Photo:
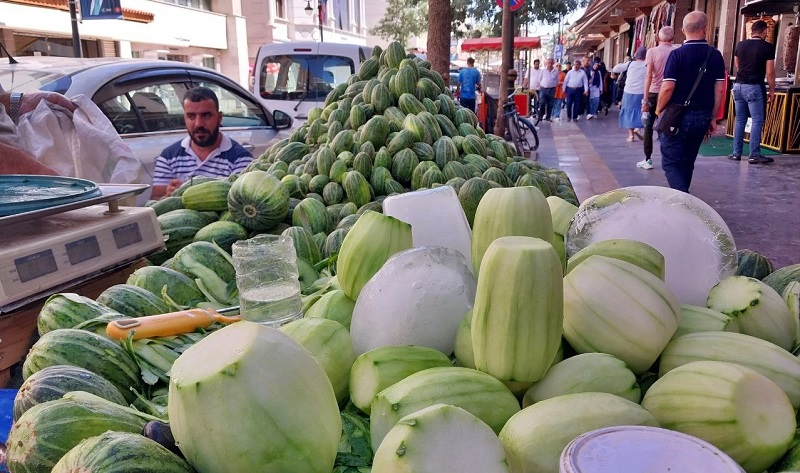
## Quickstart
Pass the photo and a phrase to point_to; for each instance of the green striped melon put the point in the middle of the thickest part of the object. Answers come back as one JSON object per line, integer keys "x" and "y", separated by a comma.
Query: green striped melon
{"x": 89, "y": 351}
{"x": 753, "y": 264}
{"x": 419, "y": 171}
{"x": 378, "y": 179}
{"x": 470, "y": 195}
{"x": 356, "y": 188}
{"x": 132, "y": 301}
{"x": 304, "y": 244}
{"x": 258, "y": 201}
{"x": 432, "y": 177}
{"x": 403, "y": 165}
{"x": 363, "y": 163}
{"x": 224, "y": 234}
{"x": 332, "y": 193}
{"x": 310, "y": 214}
{"x": 338, "y": 169}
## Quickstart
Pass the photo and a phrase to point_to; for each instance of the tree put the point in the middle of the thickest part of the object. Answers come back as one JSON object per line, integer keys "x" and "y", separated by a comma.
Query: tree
{"x": 439, "y": 25}
{"x": 403, "y": 19}
{"x": 543, "y": 11}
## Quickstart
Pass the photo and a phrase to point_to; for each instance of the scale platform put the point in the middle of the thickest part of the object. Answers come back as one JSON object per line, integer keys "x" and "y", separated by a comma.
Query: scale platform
{"x": 52, "y": 249}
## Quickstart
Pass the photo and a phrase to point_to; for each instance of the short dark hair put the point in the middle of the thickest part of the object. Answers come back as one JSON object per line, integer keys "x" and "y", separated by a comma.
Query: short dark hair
{"x": 199, "y": 93}
{"x": 535, "y": 61}
{"x": 470, "y": 60}
{"x": 759, "y": 26}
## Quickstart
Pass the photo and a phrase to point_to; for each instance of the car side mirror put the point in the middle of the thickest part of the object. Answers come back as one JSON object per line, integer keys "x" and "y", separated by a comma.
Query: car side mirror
{"x": 282, "y": 119}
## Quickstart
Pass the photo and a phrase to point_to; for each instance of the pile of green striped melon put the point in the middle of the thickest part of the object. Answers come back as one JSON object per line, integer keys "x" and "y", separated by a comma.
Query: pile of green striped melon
{"x": 392, "y": 128}
{"x": 554, "y": 346}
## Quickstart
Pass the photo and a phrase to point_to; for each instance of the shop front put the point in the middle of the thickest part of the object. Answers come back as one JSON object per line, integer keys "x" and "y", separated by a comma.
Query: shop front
{"x": 782, "y": 125}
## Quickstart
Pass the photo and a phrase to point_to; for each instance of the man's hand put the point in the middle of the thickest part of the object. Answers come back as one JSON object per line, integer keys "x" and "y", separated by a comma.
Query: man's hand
{"x": 30, "y": 101}
{"x": 173, "y": 186}
{"x": 770, "y": 95}
{"x": 712, "y": 128}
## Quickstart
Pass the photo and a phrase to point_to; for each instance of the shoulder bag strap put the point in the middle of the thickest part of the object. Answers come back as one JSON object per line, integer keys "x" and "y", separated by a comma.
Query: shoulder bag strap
{"x": 702, "y": 71}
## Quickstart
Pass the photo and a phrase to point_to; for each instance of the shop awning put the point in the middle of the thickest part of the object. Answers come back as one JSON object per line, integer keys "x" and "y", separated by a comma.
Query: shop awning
{"x": 768, "y": 7}
{"x": 604, "y": 16}
{"x": 495, "y": 44}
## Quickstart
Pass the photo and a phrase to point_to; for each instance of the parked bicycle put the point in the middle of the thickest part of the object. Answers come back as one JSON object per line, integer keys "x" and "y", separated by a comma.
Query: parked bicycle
{"x": 521, "y": 130}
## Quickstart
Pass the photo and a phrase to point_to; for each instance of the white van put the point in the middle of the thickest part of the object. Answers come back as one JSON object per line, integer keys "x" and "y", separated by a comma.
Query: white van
{"x": 296, "y": 77}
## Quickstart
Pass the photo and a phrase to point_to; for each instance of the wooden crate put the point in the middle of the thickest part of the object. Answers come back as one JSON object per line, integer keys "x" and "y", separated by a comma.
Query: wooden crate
{"x": 18, "y": 328}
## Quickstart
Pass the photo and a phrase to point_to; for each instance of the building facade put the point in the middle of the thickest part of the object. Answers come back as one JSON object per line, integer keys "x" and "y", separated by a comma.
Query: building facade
{"x": 221, "y": 34}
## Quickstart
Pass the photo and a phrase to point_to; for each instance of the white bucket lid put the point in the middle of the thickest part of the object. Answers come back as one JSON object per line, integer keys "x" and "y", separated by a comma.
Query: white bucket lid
{"x": 636, "y": 449}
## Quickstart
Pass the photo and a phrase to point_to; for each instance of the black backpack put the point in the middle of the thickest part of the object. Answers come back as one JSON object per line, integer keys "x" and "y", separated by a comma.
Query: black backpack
{"x": 623, "y": 77}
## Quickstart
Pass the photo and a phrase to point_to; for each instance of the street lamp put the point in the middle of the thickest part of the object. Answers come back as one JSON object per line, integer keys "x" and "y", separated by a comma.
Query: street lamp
{"x": 309, "y": 11}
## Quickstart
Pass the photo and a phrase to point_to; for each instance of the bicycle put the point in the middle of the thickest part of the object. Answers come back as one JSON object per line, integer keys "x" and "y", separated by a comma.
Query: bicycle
{"x": 517, "y": 128}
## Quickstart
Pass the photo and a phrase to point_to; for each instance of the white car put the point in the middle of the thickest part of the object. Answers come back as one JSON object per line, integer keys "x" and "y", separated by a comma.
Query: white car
{"x": 143, "y": 99}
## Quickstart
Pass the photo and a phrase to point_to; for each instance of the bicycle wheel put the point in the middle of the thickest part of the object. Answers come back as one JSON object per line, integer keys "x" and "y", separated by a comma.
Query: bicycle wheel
{"x": 516, "y": 134}
{"x": 525, "y": 125}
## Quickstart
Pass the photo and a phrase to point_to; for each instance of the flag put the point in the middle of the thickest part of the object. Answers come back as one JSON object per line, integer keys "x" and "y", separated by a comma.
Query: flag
{"x": 323, "y": 11}
{"x": 100, "y": 9}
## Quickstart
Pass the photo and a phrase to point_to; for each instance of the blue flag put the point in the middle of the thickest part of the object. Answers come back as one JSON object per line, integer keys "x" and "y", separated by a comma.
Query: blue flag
{"x": 101, "y": 10}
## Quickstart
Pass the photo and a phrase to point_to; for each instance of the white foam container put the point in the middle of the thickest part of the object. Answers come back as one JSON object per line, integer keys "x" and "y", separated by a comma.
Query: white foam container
{"x": 639, "y": 449}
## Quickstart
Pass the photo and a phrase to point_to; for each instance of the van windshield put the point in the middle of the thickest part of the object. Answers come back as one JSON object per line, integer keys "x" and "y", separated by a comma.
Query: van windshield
{"x": 302, "y": 76}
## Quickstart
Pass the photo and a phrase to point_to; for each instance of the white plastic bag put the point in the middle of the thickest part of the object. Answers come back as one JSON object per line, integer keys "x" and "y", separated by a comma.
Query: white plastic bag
{"x": 80, "y": 144}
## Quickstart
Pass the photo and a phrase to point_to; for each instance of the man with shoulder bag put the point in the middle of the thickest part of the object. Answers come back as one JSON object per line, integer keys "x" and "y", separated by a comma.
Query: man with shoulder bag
{"x": 689, "y": 99}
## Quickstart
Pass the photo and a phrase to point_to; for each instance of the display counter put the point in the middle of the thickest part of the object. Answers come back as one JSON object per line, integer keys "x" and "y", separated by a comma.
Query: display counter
{"x": 782, "y": 125}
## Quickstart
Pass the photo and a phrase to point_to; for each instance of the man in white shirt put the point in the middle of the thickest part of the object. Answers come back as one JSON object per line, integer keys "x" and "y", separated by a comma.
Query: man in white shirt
{"x": 547, "y": 93}
{"x": 534, "y": 82}
{"x": 576, "y": 86}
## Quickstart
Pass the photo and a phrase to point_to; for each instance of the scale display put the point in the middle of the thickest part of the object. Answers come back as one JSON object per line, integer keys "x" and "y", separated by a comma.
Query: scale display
{"x": 39, "y": 257}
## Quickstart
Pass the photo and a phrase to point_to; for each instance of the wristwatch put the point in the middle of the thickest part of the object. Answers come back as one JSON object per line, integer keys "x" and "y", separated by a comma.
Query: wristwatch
{"x": 13, "y": 112}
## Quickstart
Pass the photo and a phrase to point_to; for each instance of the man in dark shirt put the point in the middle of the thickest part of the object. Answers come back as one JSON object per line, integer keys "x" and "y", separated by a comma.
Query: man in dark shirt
{"x": 679, "y": 150}
{"x": 754, "y": 60}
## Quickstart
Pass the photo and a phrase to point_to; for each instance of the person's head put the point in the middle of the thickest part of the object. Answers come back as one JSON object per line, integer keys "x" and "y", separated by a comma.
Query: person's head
{"x": 597, "y": 60}
{"x": 587, "y": 62}
{"x": 694, "y": 25}
{"x": 641, "y": 53}
{"x": 596, "y": 65}
{"x": 470, "y": 62}
{"x": 550, "y": 63}
{"x": 536, "y": 64}
{"x": 577, "y": 65}
{"x": 666, "y": 34}
{"x": 202, "y": 116}
{"x": 759, "y": 28}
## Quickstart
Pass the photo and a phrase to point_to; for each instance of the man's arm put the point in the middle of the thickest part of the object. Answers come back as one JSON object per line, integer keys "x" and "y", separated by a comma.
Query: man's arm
{"x": 770, "y": 80}
{"x": 664, "y": 95}
{"x": 16, "y": 161}
{"x": 719, "y": 91}
{"x": 648, "y": 79}
{"x": 585, "y": 84}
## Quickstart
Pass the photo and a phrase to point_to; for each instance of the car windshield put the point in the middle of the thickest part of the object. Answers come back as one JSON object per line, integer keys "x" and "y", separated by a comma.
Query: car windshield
{"x": 26, "y": 80}
{"x": 302, "y": 76}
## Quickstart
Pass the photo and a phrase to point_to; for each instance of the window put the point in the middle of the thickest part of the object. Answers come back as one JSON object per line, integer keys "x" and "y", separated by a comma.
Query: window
{"x": 280, "y": 9}
{"x": 357, "y": 13}
{"x": 341, "y": 15}
{"x": 150, "y": 108}
{"x": 298, "y": 77}
{"x": 236, "y": 111}
{"x": 209, "y": 62}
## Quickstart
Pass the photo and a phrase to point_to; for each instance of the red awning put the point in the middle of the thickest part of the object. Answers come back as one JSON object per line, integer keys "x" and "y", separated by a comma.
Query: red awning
{"x": 495, "y": 44}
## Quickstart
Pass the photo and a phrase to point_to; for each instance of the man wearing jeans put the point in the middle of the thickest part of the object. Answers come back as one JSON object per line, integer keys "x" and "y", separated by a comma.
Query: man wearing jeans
{"x": 755, "y": 59}
{"x": 684, "y": 65}
{"x": 469, "y": 79}
{"x": 547, "y": 94}
{"x": 655, "y": 60}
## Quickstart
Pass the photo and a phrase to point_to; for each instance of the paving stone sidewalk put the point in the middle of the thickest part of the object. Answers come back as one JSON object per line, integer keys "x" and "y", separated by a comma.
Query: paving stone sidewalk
{"x": 760, "y": 203}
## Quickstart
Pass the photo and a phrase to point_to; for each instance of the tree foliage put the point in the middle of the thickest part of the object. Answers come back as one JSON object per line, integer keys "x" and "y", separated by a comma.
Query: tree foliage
{"x": 487, "y": 11}
{"x": 403, "y": 19}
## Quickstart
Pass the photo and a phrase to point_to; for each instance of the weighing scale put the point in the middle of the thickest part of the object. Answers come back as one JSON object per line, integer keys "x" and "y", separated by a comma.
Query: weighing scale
{"x": 70, "y": 240}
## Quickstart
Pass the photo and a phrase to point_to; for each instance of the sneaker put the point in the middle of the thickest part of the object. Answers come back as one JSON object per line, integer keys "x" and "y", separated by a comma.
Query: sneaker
{"x": 734, "y": 157}
{"x": 558, "y": 119}
{"x": 589, "y": 117}
{"x": 645, "y": 164}
{"x": 760, "y": 160}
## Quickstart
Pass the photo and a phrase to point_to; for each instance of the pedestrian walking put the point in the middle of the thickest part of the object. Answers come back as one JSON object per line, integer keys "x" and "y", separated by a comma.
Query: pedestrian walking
{"x": 655, "y": 60}
{"x": 693, "y": 77}
{"x": 534, "y": 83}
{"x": 548, "y": 85}
{"x": 595, "y": 90}
{"x": 630, "y": 114}
{"x": 560, "y": 95}
{"x": 754, "y": 60}
{"x": 468, "y": 80}
{"x": 576, "y": 87}
{"x": 619, "y": 73}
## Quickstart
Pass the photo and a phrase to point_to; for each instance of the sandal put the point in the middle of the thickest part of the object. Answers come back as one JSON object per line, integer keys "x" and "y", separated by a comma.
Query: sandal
{"x": 638, "y": 135}
{"x": 630, "y": 138}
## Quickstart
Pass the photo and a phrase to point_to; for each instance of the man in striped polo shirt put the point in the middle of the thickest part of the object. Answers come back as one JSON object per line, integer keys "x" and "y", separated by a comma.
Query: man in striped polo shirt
{"x": 205, "y": 152}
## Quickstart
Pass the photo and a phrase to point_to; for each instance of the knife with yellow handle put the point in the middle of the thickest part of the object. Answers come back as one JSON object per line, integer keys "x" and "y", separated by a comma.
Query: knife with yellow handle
{"x": 173, "y": 323}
